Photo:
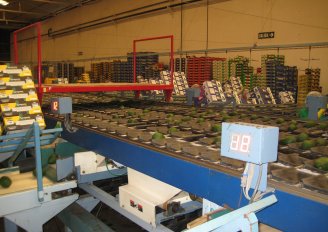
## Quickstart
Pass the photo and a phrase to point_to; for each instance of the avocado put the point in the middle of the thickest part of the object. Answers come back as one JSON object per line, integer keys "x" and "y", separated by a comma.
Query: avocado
{"x": 52, "y": 158}
{"x": 292, "y": 127}
{"x": 200, "y": 120}
{"x": 186, "y": 119}
{"x": 146, "y": 110}
{"x": 293, "y": 122}
{"x": 225, "y": 118}
{"x": 44, "y": 170}
{"x": 321, "y": 163}
{"x": 266, "y": 118}
{"x": 321, "y": 142}
{"x": 253, "y": 117}
{"x": 310, "y": 124}
{"x": 301, "y": 137}
{"x": 289, "y": 139}
{"x": 130, "y": 113}
{"x": 210, "y": 111}
{"x": 243, "y": 116}
{"x": 216, "y": 128}
{"x": 173, "y": 129}
{"x": 5, "y": 182}
{"x": 323, "y": 126}
{"x": 169, "y": 115}
{"x": 158, "y": 136}
{"x": 131, "y": 120}
{"x": 280, "y": 120}
{"x": 232, "y": 113}
{"x": 217, "y": 140}
{"x": 307, "y": 144}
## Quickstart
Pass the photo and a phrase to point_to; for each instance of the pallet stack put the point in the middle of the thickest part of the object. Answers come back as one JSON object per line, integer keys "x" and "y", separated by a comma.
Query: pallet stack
{"x": 220, "y": 70}
{"x": 143, "y": 61}
{"x": 199, "y": 69}
{"x": 78, "y": 71}
{"x": 285, "y": 80}
{"x": 121, "y": 71}
{"x": 268, "y": 66}
{"x": 307, "y": 83}
{"x": 100, "y": 72}
{"x": 19, "y": 102}
{"x": 239, "y": 67}
{"x": 180, "y": 65}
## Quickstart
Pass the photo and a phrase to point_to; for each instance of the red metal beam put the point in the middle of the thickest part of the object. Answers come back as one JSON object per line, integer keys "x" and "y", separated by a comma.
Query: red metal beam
{"x": 102, "y": 88}
{"x": 38, "y": 27}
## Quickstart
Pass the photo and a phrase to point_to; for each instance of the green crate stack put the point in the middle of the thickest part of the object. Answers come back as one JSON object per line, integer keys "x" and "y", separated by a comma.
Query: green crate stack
{"x": 239, "y": 67}
{"x": 303, "y": 89}
{"x": 220, "y": 70}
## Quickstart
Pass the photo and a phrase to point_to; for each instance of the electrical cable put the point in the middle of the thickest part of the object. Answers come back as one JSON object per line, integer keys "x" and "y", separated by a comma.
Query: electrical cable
{"x": 257, "y": 183}
{"x": 68, "y": 124}
{"x": 113, "y": 174}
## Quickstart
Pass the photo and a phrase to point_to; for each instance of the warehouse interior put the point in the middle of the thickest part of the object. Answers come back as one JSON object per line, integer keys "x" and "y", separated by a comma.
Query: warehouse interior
{"x": 163, "y": 115}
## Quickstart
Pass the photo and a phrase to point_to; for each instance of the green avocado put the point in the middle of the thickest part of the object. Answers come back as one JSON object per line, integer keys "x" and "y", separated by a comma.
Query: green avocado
{"x": 225, "y": 118}
{"x": 310, "y": 124}
{"x": 158, "y": 136}
{"x": 321, "y": 142}
{"x": 146, "y": 110}
{"x": 5, "y": 182}
{"x": 169, "y": 115}
{"x": 253, "y": 117}
{"x": 293, "y": 122}
{"x": 200, "y": 120}
{"x": 52, "y": 159}
{"x": 232, "y": 113}
{"x": 186, "y": 119}
{"x": 280, "y": 120}
{"x": 44, "y": 170}
{"x": 173, "y": 129}
{"x": 323, "y": 126}
{"x": 216, "y": 128}
{"x": 302, "y": 136}
{"x": 307, "y": 144}
{"x": 217, "y": 140}
{"x": 243, "y": 116}
{"x": 292, "y": 127}
{"x": 321, "y": 163}
{"x": 289, "y": 139}
{"x": 266, "y": 118}
{"x": 130, "y": 113}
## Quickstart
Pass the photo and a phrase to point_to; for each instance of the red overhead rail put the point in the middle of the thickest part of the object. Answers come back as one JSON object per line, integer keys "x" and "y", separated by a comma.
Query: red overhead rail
{"x": 96, "y": 87}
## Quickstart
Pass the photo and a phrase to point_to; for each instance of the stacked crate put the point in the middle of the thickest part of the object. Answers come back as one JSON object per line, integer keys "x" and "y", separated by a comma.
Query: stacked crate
{"x": 264, "y": 96}
{"x": 199, "y": 69}
{"x": 307, "y": 83}
{"x": 180, "y": 83}
{"x": 269, "y": 63}
{"x": 121, "y": 71}
{"x": 213, "y": 92}
{"x": 180, "y": 65}
{"x": 285, "y": 80}
{"x": 220, "y": 70}
{"x": 239, "y": 67}
{"x": 19, "y": 102}
{"x": 78, "y": 71}
{"x": 144, "y": 60}
{"x": 100, "y": 72}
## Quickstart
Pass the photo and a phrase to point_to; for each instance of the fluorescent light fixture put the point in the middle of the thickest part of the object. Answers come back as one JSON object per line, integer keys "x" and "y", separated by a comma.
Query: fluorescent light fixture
{"x": 4, "y": 3}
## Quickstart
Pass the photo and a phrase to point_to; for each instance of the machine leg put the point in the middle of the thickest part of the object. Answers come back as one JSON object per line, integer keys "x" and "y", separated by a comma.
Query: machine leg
{"x": 168, "y": 95}
{"x": 10, "y": 226}
{"x": 137, "y": 94}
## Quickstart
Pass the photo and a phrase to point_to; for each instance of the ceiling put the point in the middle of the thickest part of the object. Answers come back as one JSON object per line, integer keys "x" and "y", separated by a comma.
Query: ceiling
{"x": 19, "y": 13}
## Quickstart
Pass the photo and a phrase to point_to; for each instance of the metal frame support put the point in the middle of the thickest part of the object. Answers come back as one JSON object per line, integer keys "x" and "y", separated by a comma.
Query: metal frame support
{"x": 244, "y": 215}
{"x": 168, "y": 92}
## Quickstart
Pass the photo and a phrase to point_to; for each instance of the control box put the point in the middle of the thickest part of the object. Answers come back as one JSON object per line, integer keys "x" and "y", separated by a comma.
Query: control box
{"x": 61, "y": 105}
{"x": 249, "y": 142}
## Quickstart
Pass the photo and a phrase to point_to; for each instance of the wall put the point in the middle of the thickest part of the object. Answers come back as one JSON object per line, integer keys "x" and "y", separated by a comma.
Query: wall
{"x": 231, "y": 23}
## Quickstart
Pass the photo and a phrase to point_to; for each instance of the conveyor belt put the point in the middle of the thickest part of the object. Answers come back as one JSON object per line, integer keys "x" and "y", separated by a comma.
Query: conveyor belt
{"x": 113, "y": 122}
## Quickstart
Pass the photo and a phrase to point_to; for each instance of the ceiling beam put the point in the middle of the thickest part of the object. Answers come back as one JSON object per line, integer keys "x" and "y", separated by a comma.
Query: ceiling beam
{"x": 19, "y": 12}
{"x": 14, "y": 21}
{"x": 50, "y": 2}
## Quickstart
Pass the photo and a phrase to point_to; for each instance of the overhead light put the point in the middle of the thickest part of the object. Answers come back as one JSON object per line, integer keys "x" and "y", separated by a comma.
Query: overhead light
{"x": 4, "y": 3}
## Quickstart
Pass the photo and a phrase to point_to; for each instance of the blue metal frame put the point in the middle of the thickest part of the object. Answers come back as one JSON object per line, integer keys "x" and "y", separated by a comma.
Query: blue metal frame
{"x": 14, "y": 144}
{"x": 291, "y": 213}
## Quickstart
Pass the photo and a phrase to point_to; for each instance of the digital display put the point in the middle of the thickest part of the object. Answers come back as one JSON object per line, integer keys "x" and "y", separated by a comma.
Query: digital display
{"x": 240, "y": 142}
{"x": 54, "y": 106}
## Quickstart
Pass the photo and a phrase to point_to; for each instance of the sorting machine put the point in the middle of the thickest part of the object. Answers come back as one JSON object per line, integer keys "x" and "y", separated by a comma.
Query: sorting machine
{"x": 189, "y": 161}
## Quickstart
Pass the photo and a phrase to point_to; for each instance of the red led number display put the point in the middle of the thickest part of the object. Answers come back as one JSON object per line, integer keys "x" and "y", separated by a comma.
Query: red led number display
{"x": 240, "y": 143}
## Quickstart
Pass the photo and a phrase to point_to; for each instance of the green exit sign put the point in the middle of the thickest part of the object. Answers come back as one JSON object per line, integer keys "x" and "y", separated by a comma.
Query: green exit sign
{"x": 266, "y": 35}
